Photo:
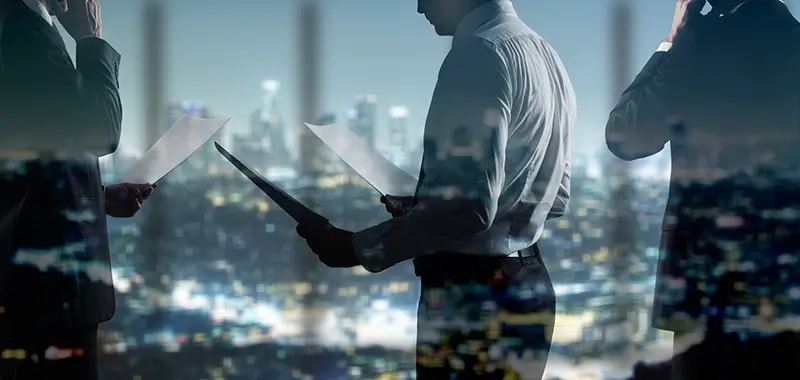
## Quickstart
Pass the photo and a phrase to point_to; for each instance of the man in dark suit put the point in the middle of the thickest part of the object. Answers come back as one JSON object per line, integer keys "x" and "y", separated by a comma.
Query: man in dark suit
{"x": 496, "y": 167}
{"x": 57, "y": 119}
{"x": 723, "y": 89}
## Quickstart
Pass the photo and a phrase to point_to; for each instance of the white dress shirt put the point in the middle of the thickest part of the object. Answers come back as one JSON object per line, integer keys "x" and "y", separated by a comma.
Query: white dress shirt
{"x": 38, "y": 7}
{"x": 496, "y": 162}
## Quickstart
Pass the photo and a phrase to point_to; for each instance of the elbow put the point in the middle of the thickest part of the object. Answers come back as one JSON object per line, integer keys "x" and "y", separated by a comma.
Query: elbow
{"x": 630, "y": 147}
{"x": 107, "y": 129}
{"x": 630, "y": 152}
{"x": 620, "y": 151}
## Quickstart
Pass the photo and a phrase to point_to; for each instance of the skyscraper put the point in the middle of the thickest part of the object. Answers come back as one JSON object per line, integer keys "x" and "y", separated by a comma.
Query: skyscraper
{"x": 269, "y": 113}
{"x": 267, "y": 130}
{"x": 398, "y": 127}
{"x": 398, "y": 145}
{"x": 363, "y": 119}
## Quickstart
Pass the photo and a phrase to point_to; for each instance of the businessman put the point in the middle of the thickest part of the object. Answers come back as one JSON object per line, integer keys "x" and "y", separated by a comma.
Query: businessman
{"x": 495, "y": 167}
{"x": 723, "y": 90}
{"x": 57, "y": 119}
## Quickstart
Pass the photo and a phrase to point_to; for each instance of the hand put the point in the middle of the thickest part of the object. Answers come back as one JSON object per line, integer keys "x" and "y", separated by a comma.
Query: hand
{"x": 80, "y": 18}
{"x": 397, "y": 206}
{"x": 332, "y": 245}
{"x": 125, "y": 199}
{"x": 685, "y": 12}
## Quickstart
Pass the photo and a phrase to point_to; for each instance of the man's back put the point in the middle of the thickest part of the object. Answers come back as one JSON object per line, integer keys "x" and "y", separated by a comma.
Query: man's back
{"x": 734, "y": 163}
{"x": 540, "y": 110}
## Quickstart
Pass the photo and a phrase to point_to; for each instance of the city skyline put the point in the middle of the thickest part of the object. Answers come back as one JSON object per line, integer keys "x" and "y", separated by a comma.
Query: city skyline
{"x": 224, "y": 66}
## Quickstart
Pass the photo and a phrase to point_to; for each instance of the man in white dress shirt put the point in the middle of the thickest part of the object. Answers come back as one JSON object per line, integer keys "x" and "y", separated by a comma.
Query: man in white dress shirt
{"x": 496, "y": 166}
{"x": 723, "y": 90}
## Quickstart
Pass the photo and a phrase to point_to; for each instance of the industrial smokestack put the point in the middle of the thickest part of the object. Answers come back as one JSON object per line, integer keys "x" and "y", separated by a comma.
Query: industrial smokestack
{"x": 622, "y": 237}
{"x": 155, "y": 229}
{"x": 309, "y": 40}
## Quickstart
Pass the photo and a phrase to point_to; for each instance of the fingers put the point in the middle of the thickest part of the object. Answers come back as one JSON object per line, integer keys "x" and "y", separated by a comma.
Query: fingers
{"x": 303, "y": 231}
{"x": 135, "y": 191}
{"x": 148, "y": 190}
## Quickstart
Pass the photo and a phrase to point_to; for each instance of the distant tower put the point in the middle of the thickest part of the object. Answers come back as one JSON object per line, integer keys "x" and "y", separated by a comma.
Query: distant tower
{"x": 310, "y": 166}
{"x": 270, "y": 113}
{"x": 155, "y": 229}
{"x": 363, "y": 120}
{"x": 622, "y": 237}
{"x": 398, "y": 141}
{"x": 398, "y": 127}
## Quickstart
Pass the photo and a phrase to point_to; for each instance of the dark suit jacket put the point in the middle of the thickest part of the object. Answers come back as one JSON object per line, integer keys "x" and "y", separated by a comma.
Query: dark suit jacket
{"x": 727, "y": 98}
{"x": 56, "y": 118}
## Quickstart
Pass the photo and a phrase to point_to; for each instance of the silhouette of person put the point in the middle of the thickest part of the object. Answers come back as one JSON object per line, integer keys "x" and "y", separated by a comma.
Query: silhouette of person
{"x": 723, "y": 89}
{"x": 57, "y": 118}
{"x": 476, "y": 218}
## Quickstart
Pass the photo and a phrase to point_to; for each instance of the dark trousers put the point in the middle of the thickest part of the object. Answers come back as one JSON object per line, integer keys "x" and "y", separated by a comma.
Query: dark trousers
{"x": 35, "y": 354}
{"x": 483, "y": 317}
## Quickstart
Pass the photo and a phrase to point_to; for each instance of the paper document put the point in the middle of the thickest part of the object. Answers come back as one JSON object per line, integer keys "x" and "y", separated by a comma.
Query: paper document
{"x": 182, "y": 139}
{"x": 293, "y": 207}
{"x": 376, "y": 169}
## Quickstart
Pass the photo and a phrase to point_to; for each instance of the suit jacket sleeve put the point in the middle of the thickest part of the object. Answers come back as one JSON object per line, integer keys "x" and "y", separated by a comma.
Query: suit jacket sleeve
{"x": 639, "y": 125}
{"x": 49, "y": 104}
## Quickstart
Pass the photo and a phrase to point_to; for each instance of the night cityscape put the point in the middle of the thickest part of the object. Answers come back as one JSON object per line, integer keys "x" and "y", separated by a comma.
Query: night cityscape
{"x": 213, "y": 282}
{"x": 231, "y": 285}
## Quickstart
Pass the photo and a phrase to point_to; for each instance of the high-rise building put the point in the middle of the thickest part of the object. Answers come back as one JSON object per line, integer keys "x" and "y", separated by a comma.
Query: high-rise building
{"x": 398, "y": 127}
{"x": 398, "y": 136}
{"x": 363, "y": 119}
{"x": 265, "y": 144}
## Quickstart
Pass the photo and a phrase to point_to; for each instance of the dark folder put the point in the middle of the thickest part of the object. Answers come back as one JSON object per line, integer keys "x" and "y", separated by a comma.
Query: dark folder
{"x": 298, "y": 211}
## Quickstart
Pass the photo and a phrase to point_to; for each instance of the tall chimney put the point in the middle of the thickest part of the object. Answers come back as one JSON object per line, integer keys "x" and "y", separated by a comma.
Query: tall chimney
{"x": 621, "y": 235}
{"x": 309, "y": 40}
{"x": 155, "y": 229}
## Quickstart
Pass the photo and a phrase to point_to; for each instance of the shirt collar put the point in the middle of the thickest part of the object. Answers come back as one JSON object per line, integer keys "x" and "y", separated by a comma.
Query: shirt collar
{"x": 38, "y": 7}
{"x": 483, "y": 13}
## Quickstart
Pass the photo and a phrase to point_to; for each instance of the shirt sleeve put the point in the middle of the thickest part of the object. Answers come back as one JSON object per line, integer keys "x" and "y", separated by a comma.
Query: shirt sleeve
{"x": 463, "y": 162}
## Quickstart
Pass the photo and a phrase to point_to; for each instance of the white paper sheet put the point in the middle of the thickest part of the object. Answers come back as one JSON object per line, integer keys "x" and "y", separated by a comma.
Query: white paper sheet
{"x": 376, "y": 169}
{"x": 176, "y": 145}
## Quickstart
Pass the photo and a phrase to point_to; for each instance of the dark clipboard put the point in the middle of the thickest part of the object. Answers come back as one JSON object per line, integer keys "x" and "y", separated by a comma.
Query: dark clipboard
{"x": 298, "y": 211}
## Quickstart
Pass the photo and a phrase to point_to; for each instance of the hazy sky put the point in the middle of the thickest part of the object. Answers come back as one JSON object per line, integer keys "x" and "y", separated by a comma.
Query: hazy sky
{"x": 220, "y": 52}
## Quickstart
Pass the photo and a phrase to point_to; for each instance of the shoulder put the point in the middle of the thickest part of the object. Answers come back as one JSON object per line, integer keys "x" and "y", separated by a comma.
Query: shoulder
{"x": 473, "y": 53}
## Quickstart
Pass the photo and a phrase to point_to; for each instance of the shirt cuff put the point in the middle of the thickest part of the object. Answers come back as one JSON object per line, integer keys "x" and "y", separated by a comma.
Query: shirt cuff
{"x": 369, "y": 248}
{"x": 664, "y": 46}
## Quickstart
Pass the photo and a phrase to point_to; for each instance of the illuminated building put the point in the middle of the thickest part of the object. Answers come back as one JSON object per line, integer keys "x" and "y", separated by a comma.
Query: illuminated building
{"x": 363, "y": 119}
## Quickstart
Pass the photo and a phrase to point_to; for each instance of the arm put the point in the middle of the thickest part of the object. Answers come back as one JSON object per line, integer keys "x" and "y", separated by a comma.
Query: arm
{"x": 457, "y": 198}
{"x": 50, "y": 105}
{"x": 638, "y": 125}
